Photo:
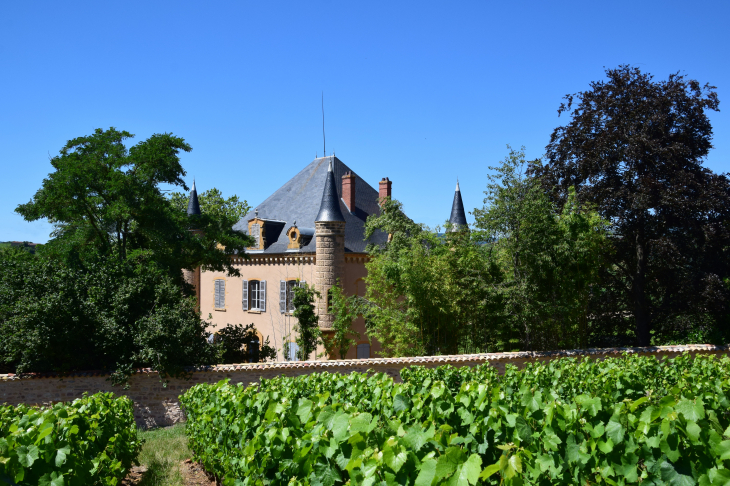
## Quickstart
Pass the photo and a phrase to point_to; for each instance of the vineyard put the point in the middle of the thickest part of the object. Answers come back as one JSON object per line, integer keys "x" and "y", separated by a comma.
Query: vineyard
{"x": 620, "y": 421}
{"x": 92, "y": 440}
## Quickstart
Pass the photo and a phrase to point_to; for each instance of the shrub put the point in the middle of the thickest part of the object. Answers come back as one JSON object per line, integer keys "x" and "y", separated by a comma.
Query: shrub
{"x": 617, "y": 421}
{"x": 92, "y": 440}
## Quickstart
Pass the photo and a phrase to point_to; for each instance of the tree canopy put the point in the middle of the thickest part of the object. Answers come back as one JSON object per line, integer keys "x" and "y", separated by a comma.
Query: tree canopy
{"x": 634, "y": 149}
{"x": 106, "y": 199}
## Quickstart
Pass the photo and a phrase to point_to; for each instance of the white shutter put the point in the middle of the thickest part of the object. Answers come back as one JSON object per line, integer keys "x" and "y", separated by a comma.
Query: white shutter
{"x": 244, "y": 301}
{"x": 262, "y": 296}
{"x": 217, "y": 293}
{"x": 282, "y": 296}
{"x": 222, "y": 294}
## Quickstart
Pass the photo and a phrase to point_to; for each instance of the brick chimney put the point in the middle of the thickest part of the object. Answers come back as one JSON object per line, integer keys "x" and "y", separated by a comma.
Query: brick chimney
{"x": 384, "y": 188}
{"x": 348, "y": 190}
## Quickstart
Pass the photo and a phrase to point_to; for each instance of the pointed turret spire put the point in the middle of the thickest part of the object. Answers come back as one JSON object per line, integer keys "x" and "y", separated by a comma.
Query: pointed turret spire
{"x": 193, "y": 205}
{"x": 458, "y": 216}
{"x": 329, "y": 209}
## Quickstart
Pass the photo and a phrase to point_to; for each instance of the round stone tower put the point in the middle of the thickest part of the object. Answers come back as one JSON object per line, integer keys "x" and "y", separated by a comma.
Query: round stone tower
{"x": 330, "y": 255}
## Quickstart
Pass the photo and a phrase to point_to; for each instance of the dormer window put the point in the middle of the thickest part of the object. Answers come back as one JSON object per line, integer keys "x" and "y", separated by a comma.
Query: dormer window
{"x": 299, "y": 237}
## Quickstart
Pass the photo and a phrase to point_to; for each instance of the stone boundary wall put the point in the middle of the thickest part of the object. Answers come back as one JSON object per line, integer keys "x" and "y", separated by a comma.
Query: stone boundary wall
{"x": 156, "y": 405}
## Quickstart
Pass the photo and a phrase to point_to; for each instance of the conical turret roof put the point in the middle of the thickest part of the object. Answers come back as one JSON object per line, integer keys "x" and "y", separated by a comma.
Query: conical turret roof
{"x": 458, "y": 216}
{"x": 193, "y": 205}
{"x": 329, "y": 209}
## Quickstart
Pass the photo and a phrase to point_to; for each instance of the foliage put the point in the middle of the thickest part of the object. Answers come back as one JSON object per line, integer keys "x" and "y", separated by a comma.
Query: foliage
{"x": 309, "y": 336}
{"x": 428, "y": 293}
{"x": 106, "y": 200}
{"x": 345, "y": 309}
{"x": 236, "y": 345}
{"x": 550, "y": 256}
{"x": 110, "y": 314}
{"x": 634, "y": 148}
{"x": 617, "y": 421}
{"x": 213, "y": 203}
{"x": 91, "y": 441}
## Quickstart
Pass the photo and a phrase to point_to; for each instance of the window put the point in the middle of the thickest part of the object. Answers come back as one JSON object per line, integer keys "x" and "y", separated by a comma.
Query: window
{"x": 286, "y": 294}
{"x": 363, "y": 351}
{"x": 220, "y": 294}
{"x": 292, "y": 352}
{"x": 254, "y": 295}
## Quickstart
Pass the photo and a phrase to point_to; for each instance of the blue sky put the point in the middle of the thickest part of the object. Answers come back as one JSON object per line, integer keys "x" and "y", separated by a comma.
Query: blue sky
{"x": 421, "y": 92}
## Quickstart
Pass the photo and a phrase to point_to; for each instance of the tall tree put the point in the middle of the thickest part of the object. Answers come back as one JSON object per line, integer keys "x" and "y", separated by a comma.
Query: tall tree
{"x": 634, "y": 148}
{"x": 106, "y": 199}
{"x": 550, "y": 256}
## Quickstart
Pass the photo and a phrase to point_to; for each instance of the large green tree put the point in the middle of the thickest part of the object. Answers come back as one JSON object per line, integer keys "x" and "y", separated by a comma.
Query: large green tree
{"x": 110, "y": 314}
{"x": 550, "y": 255}
{"x": 106, "y": 199}
{"x": 634, "y": 148}
{"x": 429, "y": 293}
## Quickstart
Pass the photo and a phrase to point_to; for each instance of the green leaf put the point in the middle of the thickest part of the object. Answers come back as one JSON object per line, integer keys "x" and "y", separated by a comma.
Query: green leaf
{"x": 304, "y": 410}
{"x": 448, "y": 462}
{"x": 416, "y": 437}
{"x": 489, "y": 470}
{"x": 394, "y": 457}
{"x": 691, "y": 410}
{"x": 693, "y": 431}
{"x": 427, "y": 473}
{"x": 523, "y": 430}
{"x": 550, "y": 439}
{"x": 360, "y": 423}
{"x": 467, "y": 473}
{"x": 61, "y": 455}
{"x": 27, "y": 455}
{"x": 615, "y": 431}
{"x": 327, "y": 474}
{"x": 401, "y": 403}
{"x": 339, "y": 427}
{"x": 673, "y": 477}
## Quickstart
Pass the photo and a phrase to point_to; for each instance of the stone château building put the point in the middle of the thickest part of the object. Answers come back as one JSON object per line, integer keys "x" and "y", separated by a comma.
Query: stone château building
{"x": 310, "y": 230}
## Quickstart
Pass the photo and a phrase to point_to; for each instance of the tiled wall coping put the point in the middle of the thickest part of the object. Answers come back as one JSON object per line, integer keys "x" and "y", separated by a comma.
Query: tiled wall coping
{"x": 157, "y": 405}
{"x": 365, "y": 364}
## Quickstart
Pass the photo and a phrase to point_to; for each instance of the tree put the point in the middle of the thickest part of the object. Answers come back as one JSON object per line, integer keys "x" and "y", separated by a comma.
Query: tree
{"x": 106, "y": 200}
{"x": 550, "y": 256}
{"x": 345, "y": 310}
{"x": 213, "y": 203}
{"x": 634, "y": 149}
{"x": 241, "y": 344}
{"x": 307, "y": 327}
{"x": 111, "y": 315}
{"x": 428, "y": 293}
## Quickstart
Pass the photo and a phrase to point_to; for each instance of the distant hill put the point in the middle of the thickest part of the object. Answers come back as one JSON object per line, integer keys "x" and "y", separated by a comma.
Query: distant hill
{"x": 19, "y": 244}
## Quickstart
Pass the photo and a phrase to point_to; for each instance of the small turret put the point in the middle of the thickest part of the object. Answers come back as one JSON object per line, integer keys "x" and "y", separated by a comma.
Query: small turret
{"x": 458, "y": 216}
{"x": 193, "y": 205}
{"x": 329, "y": 208}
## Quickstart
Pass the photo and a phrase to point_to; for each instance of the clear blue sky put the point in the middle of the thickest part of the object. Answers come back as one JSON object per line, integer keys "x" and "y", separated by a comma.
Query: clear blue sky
{"x": 420, "y": 92}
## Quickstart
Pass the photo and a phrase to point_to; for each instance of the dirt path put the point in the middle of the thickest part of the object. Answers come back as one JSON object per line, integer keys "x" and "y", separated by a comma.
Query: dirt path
{"x": 193, "y": 475}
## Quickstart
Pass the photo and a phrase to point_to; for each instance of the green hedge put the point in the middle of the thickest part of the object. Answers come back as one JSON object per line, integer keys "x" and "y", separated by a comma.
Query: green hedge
{"x": 92, "y": 440}
{"x": 620, "y": 421}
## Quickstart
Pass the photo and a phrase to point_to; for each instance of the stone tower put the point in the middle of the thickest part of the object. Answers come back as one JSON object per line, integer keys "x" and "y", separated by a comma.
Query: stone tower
{"x": 330, "y": 255}
{"x": 192, "y": 276}
{"x": 458, "y": 216}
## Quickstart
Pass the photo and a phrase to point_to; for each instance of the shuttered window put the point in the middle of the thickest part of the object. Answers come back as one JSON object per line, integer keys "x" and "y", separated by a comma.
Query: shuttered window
{"x": 257, "y": 292}
{"x": 244, "y": 300}
{"x": 282, "y": 296}
{"x": 220, "y": 294}
{"x": 286, "y": 294}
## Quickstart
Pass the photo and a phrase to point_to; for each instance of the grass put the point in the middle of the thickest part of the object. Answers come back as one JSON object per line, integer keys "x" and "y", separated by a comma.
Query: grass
{"x": 162, "y": 453}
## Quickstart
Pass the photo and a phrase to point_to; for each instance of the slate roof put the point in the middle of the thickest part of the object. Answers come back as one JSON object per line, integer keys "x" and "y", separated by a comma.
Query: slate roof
{"x": 458, "y": 216}
{"x": 300, "y": 200}
{"x": 193, "y": 205}
{"x": 329, "y": 208}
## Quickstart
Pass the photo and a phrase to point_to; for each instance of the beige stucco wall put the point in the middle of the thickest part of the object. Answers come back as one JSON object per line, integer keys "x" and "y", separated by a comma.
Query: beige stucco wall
{"x": 156, "y": 405}
{"x": 274, "y": 268}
